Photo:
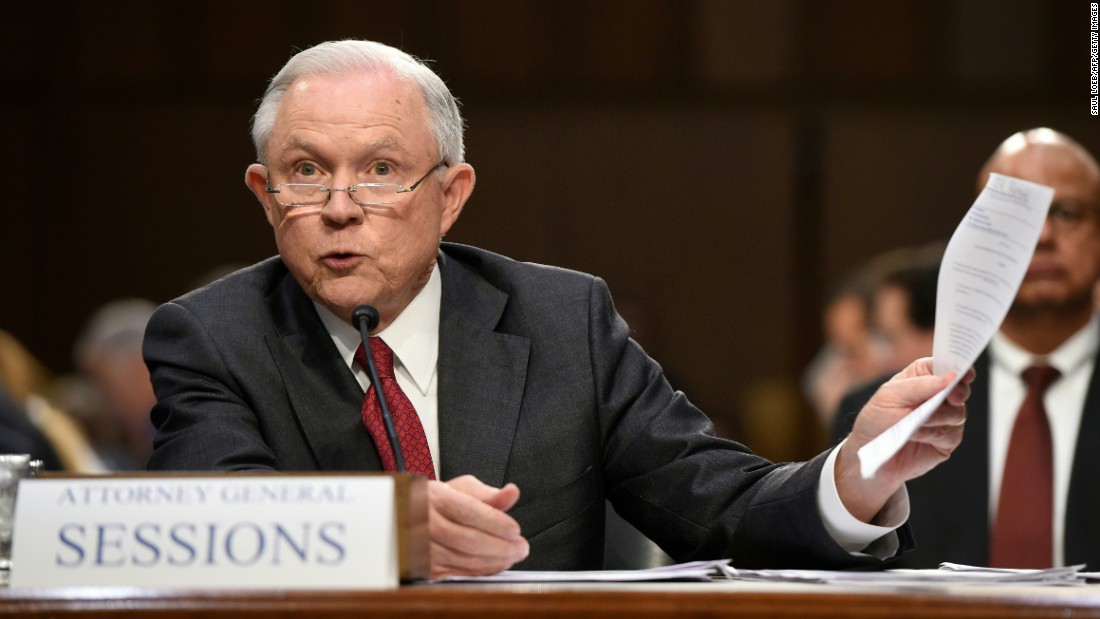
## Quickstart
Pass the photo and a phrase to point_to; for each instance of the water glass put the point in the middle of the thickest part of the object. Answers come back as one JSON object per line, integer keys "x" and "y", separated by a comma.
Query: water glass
{"x": 13, "y": 467}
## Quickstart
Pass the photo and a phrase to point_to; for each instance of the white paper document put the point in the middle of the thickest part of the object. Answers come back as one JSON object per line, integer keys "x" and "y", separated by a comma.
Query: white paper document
{"x": 720, "y": 570}
{"x": 982, "y": 268}
{"x": 947, "y": 574}
{"x": 695, "y": 570}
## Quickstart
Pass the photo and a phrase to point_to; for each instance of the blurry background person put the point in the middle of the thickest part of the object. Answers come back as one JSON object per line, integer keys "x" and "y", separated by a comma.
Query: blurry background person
{"x": 30, "y": 422}
{"x": 850, "y": 355}
{"x": 108, "y": 352}
{"x": 19, "y": 436}
{"x": 1020, "y": 491}
{"x": 845, "y": 351}
{"x": 903, "y": 317}
{"x": 903, "y": 311}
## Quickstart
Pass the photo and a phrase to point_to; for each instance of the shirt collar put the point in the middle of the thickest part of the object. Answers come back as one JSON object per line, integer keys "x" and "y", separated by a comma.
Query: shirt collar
{"x": 1071, "y": 355}
{"x": 413, "y": 335}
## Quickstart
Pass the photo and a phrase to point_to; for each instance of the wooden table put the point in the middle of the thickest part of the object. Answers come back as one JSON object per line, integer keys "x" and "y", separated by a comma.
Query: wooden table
{"x": 534, "y": 601}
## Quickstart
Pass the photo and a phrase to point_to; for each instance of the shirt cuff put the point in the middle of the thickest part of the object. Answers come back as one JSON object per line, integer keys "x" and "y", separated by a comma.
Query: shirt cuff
{"x": 878, "y": 539}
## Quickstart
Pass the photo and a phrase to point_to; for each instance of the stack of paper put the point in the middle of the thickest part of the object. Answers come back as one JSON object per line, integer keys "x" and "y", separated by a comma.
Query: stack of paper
{"x": 949, "y": 573}
{"x": 695, "y": 570}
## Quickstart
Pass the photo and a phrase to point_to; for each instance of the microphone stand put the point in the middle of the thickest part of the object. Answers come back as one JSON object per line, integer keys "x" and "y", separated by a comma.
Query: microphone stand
{"x": 366, "y": 318}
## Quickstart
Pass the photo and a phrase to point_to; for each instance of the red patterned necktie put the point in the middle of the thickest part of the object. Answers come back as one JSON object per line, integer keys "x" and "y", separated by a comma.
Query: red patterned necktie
{"x": 1024, "y": 528}
{"x": 410, "y": 434}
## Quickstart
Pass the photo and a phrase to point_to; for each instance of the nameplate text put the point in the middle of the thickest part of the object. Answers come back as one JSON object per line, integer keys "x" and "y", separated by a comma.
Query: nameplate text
{"x": 228, "y": 531}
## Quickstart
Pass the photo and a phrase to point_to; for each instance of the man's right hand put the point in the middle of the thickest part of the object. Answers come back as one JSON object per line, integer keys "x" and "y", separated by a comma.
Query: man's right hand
{"x": 471, "y": 535}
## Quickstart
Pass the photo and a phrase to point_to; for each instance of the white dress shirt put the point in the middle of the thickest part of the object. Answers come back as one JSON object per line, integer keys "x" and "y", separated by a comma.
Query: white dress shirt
{"x": 414, "y": 338}
{"x": 1064, "y": 402}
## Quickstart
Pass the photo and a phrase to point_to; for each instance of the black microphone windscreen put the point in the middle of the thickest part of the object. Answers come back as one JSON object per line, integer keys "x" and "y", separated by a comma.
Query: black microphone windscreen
{"x": 367, "y": 313}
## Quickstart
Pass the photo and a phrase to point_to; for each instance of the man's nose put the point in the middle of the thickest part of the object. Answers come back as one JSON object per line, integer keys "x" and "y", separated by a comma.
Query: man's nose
{"x": 1046, "y": 233}
{"x": 340, "y": 208}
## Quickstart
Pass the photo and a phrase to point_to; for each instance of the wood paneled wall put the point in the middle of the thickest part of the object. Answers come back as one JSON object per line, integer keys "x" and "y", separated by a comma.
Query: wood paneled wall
{"x": 719, "y": 162}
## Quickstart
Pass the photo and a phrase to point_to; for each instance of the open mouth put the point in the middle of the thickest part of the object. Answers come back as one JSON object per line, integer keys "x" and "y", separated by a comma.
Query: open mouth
{"x": 341, "y": 261}
{"x": 1044, "y": 271}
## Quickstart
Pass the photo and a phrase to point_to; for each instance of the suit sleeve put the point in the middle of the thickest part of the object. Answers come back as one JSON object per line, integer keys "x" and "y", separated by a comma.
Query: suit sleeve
{"x": 203, "y": 421}
{"x": 696, "y": 495}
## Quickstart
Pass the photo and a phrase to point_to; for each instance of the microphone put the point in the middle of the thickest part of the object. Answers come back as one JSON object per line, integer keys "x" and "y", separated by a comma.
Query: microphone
{"x": 366, "y": 318}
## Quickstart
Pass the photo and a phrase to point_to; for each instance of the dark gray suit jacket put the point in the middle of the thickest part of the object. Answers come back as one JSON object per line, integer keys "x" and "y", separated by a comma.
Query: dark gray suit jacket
{"x": 949, "y": 506}
{"x": 539, "y": 384}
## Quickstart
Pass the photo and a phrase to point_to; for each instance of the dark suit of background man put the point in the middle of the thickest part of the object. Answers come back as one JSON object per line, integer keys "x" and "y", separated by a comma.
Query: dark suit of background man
{"x": 1052, "y": 321}
{"x": 523, "y": 376}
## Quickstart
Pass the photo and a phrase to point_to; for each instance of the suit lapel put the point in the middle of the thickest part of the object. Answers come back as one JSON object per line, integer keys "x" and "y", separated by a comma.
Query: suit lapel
{"x": 950, "y": 503}
{"x": 1082, "y": 537}
{"x": 481, "y": 377}
{"x": 972, "y": 467}
{"x": 322, "y": 390}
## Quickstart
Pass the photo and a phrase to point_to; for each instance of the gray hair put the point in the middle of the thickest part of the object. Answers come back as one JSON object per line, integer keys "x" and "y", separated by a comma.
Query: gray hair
{"x": 117, "y": 328}
{"x": 336, "y": 58}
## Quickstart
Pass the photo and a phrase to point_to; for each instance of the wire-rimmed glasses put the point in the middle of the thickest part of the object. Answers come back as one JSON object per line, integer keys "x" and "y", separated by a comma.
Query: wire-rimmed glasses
{"x": 316, "y": 195}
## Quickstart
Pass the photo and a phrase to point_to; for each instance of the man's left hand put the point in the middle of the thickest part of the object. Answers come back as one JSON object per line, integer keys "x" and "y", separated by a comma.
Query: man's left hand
{"x": 930, "y": 445}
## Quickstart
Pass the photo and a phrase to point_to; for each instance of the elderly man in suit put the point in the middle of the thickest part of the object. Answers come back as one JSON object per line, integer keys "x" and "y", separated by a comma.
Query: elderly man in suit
{"x": 977, "y": 508}
{"x": 506, "y": 376}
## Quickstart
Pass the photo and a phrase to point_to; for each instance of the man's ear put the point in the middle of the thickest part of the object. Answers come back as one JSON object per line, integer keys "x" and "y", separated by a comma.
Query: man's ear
{"x": 458, "y": 184}
{"x": 256, "y": 179}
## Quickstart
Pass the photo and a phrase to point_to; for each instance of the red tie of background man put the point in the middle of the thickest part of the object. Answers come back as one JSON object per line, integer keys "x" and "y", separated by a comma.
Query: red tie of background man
{"x": 410, "y": 433}
{"x": 1023, "y": 531}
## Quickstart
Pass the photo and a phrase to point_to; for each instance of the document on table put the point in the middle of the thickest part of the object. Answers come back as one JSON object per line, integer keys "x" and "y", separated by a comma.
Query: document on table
{"x": 982, "y": 268}
{"x": 720, "y": 570}
{"x": 947, "y": 574}
{"x": 695, "y": 570}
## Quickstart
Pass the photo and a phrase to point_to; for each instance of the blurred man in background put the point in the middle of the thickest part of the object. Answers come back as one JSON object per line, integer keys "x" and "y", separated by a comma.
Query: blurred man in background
{"x": 31, "y": 422}
{"x": 1021, "y": 490}
{"x": 903, "y": 317}
{"x": 850, "y": 354}
{"x": 108, "y": 352}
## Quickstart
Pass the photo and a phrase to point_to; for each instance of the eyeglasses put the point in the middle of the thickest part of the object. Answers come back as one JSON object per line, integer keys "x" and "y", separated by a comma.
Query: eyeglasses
{"x": 314, "y": 195}
{"x": 1068, "y": 215}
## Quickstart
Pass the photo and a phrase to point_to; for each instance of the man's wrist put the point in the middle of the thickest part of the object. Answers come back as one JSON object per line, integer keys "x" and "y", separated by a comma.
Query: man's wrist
{"x": 862, "y": 498}
{"x": 854, "y": 534}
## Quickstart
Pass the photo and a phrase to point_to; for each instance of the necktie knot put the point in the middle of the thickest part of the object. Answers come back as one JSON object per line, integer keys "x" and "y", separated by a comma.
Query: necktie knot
{"x": 410, "y": 432}
{"x": 1039, "y": 378}
{"x": 381, "y": 354}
